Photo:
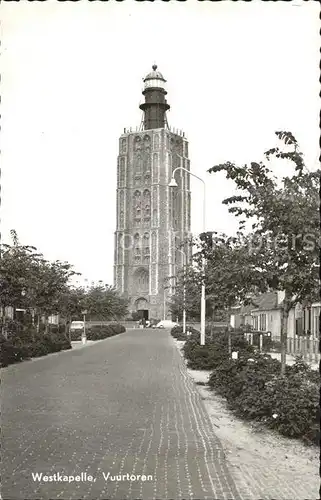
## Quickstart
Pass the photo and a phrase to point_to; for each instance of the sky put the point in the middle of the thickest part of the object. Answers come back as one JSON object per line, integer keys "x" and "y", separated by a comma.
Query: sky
{"x": 72, "y": 80}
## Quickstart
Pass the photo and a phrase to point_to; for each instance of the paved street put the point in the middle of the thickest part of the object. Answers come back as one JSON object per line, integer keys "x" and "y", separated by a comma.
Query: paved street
{"x": 122, "y": 406}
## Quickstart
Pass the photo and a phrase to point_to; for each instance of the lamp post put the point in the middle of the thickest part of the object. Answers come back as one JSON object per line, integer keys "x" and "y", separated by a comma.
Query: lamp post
{"x": 164, "y": 299}
{"x": 84, "y": 337}
{"x": 184, "y": 290}
{"x": 164, "y": 306}
{"x": 173, "y": 183}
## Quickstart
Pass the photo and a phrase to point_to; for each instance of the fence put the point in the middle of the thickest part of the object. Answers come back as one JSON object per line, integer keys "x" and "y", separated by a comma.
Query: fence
{"x": 299, "y": 345}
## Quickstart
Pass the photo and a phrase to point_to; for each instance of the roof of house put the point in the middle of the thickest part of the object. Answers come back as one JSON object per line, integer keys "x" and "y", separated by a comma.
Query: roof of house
{"x": 264, "y": 302}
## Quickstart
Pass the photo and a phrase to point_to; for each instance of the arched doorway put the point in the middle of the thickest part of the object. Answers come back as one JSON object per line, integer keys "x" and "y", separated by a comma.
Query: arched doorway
{"x": 142, "y": 308}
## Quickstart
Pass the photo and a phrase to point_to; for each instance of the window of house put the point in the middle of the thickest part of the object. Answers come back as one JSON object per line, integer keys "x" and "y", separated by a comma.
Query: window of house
{"x": 307, "y": 321}
{"x": 255, "y": 322}
{"x": 262, "y": 322}
{"x": 299, "y": 326}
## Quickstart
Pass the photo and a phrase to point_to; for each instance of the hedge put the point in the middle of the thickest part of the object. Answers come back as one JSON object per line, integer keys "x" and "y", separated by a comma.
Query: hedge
{"x": 215, "y": 349}
{"x": 99, "y": 332}
{"x": 16, "y": 349}
{"x": 254, "y": 388}
{"x": 177, "y": 332}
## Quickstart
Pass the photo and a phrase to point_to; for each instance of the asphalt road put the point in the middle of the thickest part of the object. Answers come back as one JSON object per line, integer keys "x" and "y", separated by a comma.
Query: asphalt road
{"x": 123, "y": 408}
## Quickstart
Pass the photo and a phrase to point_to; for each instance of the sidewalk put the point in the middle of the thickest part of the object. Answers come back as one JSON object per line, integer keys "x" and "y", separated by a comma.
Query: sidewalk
{"x": 77, "y": 344}
{"x": 265, "y": 463}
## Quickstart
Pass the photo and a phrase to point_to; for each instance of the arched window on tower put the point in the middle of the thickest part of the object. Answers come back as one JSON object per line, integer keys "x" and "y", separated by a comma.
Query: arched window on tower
{"x": 137, "y": 248}
{"x": 155, "y": 167}
{"x": 121, "y": 172}
{"x": 155, "y": 218}
{"x": 146, "y": 204}
{"x": 147, "y": 179}
{"x": 138, "y": 164}
{"x": 186, "y": 149}
{"x": 121, "y": 209}
{"x": 154, "y": 246}
{"x": 137, "y": 208}
{"x": 146, "y": 249}
{"x": 123, "y": 146}
{"x": 179, "y": 146}
{"x": 137, "y": 143}
{"x": 156, "y": 141}
{"x": 120, "y": 249}
{"x": 121, "y": 219}
{"x": 147, "y": 162}
{"x": 141, "y": 281}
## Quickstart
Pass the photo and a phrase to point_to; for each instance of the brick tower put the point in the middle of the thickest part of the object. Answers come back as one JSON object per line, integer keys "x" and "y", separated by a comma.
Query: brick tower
{"x": 152, "y": 219}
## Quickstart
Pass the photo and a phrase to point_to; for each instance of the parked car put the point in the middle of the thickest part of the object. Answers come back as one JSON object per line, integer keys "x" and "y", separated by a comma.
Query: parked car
{"x": 166, "y": 323}
{"x": 77, "y": 325}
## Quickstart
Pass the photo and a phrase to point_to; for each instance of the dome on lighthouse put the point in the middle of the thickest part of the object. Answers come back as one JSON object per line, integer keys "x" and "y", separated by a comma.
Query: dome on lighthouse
{"x": 154, "y": 74}
{"x": 154, "y": 78}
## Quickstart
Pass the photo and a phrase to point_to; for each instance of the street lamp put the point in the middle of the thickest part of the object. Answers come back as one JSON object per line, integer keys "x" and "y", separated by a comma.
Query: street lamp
{"x": 184, "y": 290}
{"x": 84, "y": 336}
{"x": 164, "y": 305}
{"x": 164, "y": 299}
{"x": 172, "y": 184}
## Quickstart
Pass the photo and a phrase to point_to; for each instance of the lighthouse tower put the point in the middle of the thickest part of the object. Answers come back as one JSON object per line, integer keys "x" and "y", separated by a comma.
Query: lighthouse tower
{"x": 153, "y": 220}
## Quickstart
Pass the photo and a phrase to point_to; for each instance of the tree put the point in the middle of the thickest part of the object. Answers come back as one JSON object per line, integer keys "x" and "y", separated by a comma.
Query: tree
{"x": 72, "y": 304}
{"x": 190, "y": 279}
{"x": 229, "y": 275}
{"x": 17, "y": 266}
{"x": 43, "y": 287}
{"x": 29, "y": 281}
{"x": 284, "y": 242}
{"x": 104, "y": 303}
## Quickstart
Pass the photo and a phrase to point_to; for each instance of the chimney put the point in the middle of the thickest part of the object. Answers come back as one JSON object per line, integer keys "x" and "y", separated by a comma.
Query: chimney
{"x": 280, "y": 296}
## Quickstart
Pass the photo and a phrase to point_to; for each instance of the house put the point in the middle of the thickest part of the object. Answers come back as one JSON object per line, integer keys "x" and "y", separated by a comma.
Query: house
{"x": 18, "y": 314}
{"x": 265, "y": 315}
{"x": 241, "y": 316}
{"x": 7, "y": 312}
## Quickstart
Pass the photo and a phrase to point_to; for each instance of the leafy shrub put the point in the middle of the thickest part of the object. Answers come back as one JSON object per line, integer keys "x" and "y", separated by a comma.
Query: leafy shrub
{"x": 117, "y": 328}
{"x": 300, "y": 367}
{"x": 75, "y": 335}
{"x": 56, "y": 342}
{"x": 57, "y": 329}
{"x": 255, "y": 390}
{"x": 11, "y": 352}
{"x": 15, "y": 330}
{"x": 271, "y": 345}
{"x": 39, "y": 348}
{"x": 17, "y": 349}
{"x": 202, "y": 357}
{"x": 253, "y": 374}
{"x": 295, "y": 409}
{"x": 177, "y": 332}
{"x": 215, "y": 350}
{"x": 99, "y": 332}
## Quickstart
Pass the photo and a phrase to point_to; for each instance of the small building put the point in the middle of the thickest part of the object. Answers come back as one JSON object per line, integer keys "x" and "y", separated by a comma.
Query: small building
{"x": 264, "y": 314}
